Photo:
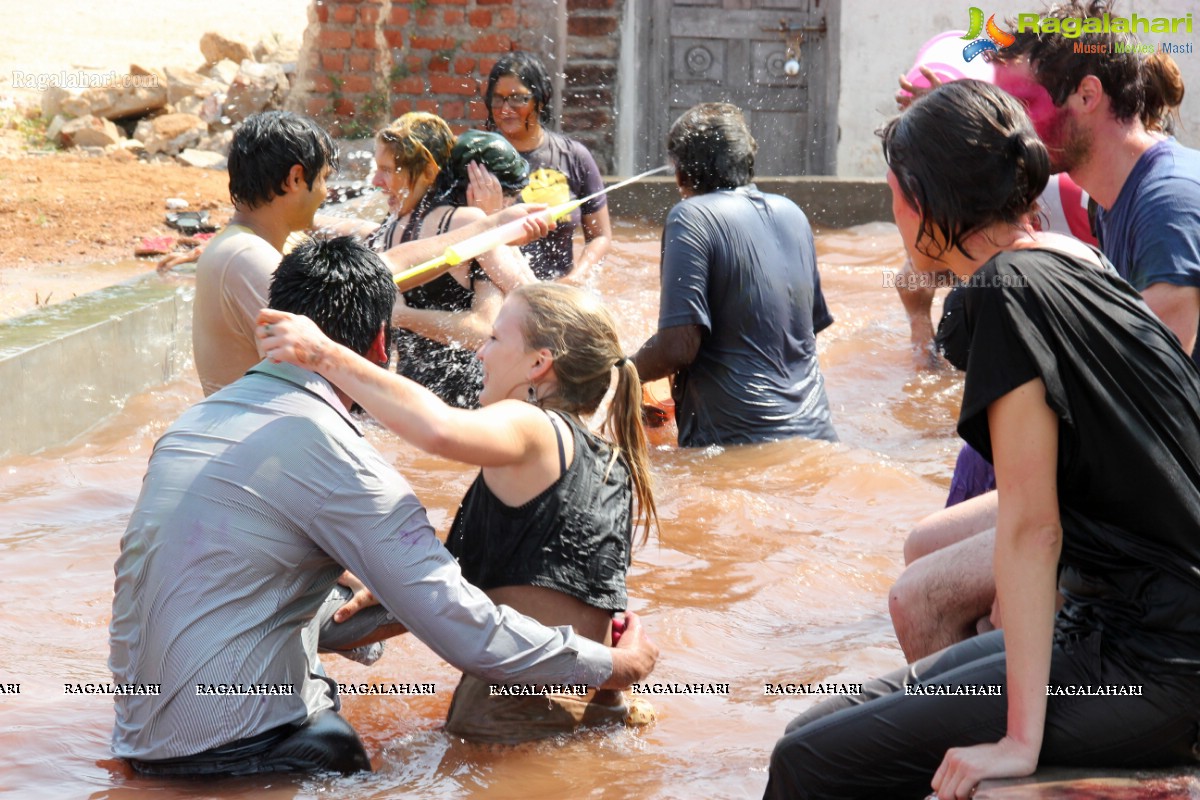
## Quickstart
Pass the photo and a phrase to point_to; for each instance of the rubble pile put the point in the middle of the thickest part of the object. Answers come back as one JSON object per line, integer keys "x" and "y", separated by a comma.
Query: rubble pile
{"x": 175, "y": 113}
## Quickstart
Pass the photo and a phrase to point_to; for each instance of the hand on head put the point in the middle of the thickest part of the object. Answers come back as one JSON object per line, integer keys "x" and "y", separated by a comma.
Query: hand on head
{"x": 290, "y": 338}
{"x": 908, "y": 93}
{"x": 484, "y": 190}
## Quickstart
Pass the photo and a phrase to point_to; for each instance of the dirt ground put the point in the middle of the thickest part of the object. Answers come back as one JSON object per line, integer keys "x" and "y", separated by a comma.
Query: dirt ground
{"x": 64, "y": 217}
{"x": 60, "y": 214}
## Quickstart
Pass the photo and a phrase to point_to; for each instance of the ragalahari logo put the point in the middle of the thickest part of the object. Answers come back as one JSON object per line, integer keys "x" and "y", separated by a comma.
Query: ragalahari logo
{"x": 997, "y": 38}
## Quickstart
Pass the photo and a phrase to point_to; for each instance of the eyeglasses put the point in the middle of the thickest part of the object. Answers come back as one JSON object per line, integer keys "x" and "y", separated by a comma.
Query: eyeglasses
{"x": 512, "y": 100}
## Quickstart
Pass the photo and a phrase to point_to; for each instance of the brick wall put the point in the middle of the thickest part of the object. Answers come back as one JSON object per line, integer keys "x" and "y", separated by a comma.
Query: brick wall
{"x": 365, "y": 62}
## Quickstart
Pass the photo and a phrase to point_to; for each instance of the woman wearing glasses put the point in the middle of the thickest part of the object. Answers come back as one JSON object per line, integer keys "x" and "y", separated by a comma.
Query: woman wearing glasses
{"x": 560, "y": 169}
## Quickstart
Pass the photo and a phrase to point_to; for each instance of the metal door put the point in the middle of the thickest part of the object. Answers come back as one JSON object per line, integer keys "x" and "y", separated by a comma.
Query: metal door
{"x": 735, "y": 51}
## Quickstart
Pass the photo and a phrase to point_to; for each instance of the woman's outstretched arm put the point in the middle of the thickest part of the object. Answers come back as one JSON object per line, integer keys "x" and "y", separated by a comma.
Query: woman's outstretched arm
{"x": 1024, "y": 434}
{"x": 497, "y": 435}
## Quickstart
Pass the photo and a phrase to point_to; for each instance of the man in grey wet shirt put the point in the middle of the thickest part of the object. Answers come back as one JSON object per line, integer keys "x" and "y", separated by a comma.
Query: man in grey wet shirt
{"x": 253, "y": 503}
{"x": 741, "y": 299}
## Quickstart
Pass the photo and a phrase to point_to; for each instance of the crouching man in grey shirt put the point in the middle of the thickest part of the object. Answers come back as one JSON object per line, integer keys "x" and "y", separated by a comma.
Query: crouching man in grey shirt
{"x": 253, "y": 503}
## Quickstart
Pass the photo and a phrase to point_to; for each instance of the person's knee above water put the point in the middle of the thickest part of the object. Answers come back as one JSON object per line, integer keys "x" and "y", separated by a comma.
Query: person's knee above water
{"x": 1102, "y": 114}
{"x": 254, "y": 502}
{"x": 741, "y": 299}
{"x": 1098, "y": 491}
{"x": 547, "y": 526}
{"x": 517, "y": 96}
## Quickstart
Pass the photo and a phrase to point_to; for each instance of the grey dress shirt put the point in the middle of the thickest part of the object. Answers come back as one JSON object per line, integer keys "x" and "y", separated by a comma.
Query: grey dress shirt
{"x": 253, "y": 502}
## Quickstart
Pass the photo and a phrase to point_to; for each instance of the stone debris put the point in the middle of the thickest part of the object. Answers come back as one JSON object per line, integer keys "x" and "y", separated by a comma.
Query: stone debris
{"x": 170, "y": 133}
{"x": 215, "y": 47}
{"x": 204, "y": 159}
{"x": 91, "y": 131}
{"x": 256, "y": 88}
{"x": 183, "y": 84}
{"x": 118, "y": 100}
{"x": 176, "y": 113}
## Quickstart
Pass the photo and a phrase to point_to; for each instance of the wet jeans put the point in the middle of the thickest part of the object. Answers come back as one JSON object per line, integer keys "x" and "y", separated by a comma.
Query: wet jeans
{"x": 323, "y": 742}
{"x": 886, "y": 743}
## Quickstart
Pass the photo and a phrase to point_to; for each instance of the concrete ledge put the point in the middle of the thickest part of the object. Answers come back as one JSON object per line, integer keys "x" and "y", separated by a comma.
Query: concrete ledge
{"x": 66, "y": 367}
{"x": 1098, "y": 784}
{"x": 828, "y": 202}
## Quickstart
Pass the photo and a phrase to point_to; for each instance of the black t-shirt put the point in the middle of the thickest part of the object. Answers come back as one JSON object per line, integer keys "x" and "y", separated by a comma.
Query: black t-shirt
{"x": 1128, "y": 402}
{"x": 575, "y": 537}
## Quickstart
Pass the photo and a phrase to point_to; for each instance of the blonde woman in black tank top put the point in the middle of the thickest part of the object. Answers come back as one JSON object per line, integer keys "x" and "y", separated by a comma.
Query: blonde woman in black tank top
{"x": 562, "y": 502}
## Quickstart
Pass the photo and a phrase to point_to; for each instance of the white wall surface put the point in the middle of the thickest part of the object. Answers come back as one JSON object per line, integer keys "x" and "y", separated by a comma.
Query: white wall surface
{"x": 880, "y": 39}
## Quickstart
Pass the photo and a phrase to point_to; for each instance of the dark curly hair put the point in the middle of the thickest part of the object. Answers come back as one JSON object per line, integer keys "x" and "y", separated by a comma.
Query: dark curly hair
{"x": 265, "y": 148}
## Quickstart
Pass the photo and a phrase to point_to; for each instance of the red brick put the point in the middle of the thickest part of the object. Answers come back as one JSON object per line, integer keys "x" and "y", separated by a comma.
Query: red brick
{"x": 453, "y": 109}
{"x": 355, "y": 84}
{"x": 395, "y": 39}
{"x": 480, "y": 18}
{"x": 401, "y": 107}
{"x": 427, "y": 18}
{"x": 588, "y": 98}
{"x": 431, "y": 42}
{"x": 492, "y": 2}
{"x": 492, "y": 43}
{"x": 345, "y": 14}
{"x": 485, "y": 66}
{"x": 316, "y": 106}
{"x": 364, "y": 38}
{"x": 581, "y": 120}
{"x": 333, "y": 62}
{"x": 590, "y": 5}
{"x": 591, "y": 26}
{"x": 344, "y": 107}
{"x": 409, "y": 85}
{"x": 362, "y": 62}
{"x": 414, "y": 63}
{"x": 439, "y": 64}
{"x": 591, "y": 74}
{"x": 453, "y": 16}
{"x": 322, "y": 84}
{"x": 399, "y": 16}
{"x": 333, "y": 40}
{"x": 464, "y": 66}
{"x": 445, "y": 84}
{"x": 477, "y": 110}
{"x": 368, "y": 15}
{"x": 508, "y": 18}
{"x": 447, "y": 2}
{"x": 427, "y": 105}
{"x": 322, "y": 13}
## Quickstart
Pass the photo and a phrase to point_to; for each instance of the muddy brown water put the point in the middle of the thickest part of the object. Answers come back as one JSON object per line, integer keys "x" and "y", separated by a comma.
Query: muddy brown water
{"x": 773, "y": 567}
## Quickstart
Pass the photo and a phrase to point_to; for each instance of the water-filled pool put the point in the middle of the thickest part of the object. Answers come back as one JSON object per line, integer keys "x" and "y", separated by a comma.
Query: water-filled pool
{"x": 773, "y": 567}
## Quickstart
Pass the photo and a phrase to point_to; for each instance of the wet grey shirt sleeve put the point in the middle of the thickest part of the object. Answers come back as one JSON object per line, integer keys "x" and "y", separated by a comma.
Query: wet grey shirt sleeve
{"x": 374, "y": 526}
{"x": 686, "y": 256}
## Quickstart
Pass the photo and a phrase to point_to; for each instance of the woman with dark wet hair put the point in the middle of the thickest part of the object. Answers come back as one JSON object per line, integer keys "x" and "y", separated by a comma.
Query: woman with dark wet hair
{"x": 1090, "y": 412}
{"x": 561, "y": 169}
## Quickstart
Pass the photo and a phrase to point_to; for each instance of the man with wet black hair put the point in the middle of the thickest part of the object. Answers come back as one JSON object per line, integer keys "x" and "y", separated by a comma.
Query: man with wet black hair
{"x": 741, "y": 300}
{"x": 278, "y": 165}
{"x": 253, "y": 502}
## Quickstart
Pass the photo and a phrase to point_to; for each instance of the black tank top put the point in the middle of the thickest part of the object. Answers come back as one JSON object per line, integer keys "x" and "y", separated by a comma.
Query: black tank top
{"x": 575, "y": 537}
{"x": 452, "y": 373}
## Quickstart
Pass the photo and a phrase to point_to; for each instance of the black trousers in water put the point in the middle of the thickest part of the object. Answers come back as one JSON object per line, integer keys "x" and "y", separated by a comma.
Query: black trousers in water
{"x": 323, "y": 742}
{"x": 884, "y": 743}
